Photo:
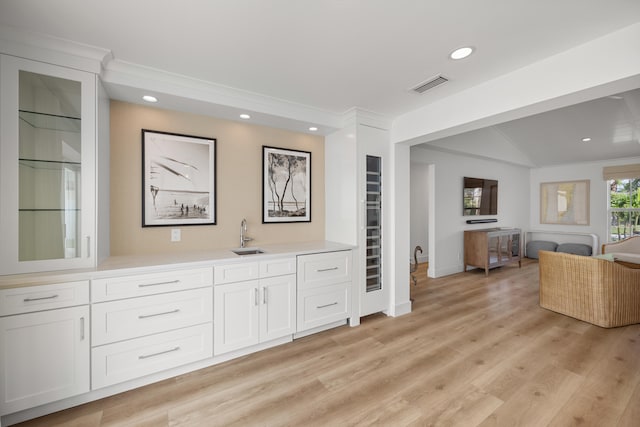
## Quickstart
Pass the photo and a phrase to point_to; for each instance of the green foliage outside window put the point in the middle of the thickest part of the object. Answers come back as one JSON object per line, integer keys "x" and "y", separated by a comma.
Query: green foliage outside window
{"x": 624, "y": 208}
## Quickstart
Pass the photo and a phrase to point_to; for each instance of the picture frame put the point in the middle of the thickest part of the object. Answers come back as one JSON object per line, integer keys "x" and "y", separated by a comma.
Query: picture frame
{"x": 286, "y": 185}
{"x": 565, "y": 202}
{"x": 178, "y": 179}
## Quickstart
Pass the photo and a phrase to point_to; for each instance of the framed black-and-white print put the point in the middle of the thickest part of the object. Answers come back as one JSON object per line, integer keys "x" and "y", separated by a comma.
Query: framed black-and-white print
{"x": 286, "y": 185}
{"x": 178, "y": 179}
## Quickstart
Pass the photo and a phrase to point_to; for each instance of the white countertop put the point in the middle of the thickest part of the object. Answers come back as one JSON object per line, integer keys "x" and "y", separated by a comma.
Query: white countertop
{"x": 134, "y": 264}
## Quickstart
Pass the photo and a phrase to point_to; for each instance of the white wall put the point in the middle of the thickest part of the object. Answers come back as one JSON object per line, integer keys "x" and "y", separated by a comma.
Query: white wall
{"x": 447, "y": 235}
{"x": 419, "y": 196}
{"x": 598, "y": 223}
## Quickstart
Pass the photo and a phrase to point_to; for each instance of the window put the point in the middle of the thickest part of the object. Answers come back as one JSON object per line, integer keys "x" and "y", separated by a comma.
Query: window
{"x": 624, "y": 208}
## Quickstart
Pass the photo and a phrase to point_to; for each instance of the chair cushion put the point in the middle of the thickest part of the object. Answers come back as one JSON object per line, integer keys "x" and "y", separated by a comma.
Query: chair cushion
{"x": 575, "y": 248}
{"x": 607, "y": 257}
{"x": 539, "y": 245}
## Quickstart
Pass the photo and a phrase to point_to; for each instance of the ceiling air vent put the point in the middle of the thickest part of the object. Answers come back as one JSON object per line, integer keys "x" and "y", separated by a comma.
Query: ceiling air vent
{"x": 430, "y": 84}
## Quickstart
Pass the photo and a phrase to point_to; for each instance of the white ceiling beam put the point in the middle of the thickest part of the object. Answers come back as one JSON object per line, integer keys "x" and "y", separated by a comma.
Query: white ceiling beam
{"x": 607, "y": 65}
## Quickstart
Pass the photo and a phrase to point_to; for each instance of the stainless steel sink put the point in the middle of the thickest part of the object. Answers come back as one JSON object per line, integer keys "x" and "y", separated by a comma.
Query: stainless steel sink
{"x": 247, "y": 251}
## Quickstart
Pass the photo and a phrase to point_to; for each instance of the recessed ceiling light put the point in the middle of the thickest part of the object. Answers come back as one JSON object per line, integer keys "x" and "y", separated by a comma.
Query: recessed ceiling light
{"x": 313, "y": 128}
{"x": 150, "y": 98}
{"x": 245, "y": 116}
{"x": 586, "y": 139}
{"x": 461, "y": 53}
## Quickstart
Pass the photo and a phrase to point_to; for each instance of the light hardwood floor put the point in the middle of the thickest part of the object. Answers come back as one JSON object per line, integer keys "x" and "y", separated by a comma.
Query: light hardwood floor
{"x": 475, "y": 351}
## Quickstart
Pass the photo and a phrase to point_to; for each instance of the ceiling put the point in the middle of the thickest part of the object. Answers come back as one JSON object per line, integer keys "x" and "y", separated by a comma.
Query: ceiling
{"x": 556, "y": 137}
{"x": 330, "y": 56}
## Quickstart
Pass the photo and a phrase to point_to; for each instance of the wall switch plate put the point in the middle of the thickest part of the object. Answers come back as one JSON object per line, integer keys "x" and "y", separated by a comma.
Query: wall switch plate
{"x": 175, "y": 234}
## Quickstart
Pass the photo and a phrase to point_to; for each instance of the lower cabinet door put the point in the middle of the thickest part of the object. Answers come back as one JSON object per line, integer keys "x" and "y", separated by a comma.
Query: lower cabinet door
{"x": 127, "y": 360}
{"x": 278, "y": 307}
{"x": 44, "y": 357}
{"x": 236, "y": 316}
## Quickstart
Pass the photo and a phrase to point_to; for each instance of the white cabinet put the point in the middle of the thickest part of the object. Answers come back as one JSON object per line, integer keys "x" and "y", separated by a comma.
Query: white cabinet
{"x": 324, "y": 289}
{"x": 131, "y": 359}
{"x": 47, "y": 166}
{"x": 236, "y": 316}
{"x": 45, "y": 354}
{"x": 113, "y": 288}
{"x": 131, "y": 318}
{"x": 147, "y": 323}
{"x": 278, "y": 308}
{"x": 250, "y": 312}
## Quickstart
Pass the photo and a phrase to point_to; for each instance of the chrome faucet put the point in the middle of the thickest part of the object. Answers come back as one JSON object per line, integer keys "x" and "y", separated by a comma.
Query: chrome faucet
{"x": 243, "y": 229}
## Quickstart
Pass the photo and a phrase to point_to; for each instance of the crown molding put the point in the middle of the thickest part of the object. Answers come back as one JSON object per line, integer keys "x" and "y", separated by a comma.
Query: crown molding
{"x": 359, "y": 116}
{"x": 53, "y": 50}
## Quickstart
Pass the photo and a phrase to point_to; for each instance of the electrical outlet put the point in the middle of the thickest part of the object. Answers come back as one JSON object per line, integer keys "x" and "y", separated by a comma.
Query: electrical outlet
{"x": 175, "y": 235}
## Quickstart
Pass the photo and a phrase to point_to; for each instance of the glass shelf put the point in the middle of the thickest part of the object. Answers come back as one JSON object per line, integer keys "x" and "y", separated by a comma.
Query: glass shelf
{"x": 51, "y": 121}
{"x": 49, "y": 210}
{"x": 50, "y": 164}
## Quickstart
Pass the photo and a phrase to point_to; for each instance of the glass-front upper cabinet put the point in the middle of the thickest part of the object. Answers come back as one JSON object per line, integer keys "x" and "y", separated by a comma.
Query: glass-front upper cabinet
{"x": 47, "y": 175}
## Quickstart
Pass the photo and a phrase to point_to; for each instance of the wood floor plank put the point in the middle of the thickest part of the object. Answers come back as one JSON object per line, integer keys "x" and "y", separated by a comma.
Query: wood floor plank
{"x": 475, "y": 351}
{"x": 471, "y": 407}
{"x": 525, "y": 363}
{"x": 538, "y": 401}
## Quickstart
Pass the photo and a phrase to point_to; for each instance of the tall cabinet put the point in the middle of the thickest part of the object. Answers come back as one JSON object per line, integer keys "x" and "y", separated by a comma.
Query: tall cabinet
{"x": 359, "y": 209}
{"x": 48, "y": 169}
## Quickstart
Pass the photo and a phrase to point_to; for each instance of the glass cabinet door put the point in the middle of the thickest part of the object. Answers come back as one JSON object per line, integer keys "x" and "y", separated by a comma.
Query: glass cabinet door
{"x": 50, "y": 167}
{"x": 47, "y": 178}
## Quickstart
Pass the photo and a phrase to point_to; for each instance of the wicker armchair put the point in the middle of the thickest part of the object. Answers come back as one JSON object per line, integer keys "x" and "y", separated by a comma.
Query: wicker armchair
{"x": 625, "y": 252}
{"x": 595, "y": 290}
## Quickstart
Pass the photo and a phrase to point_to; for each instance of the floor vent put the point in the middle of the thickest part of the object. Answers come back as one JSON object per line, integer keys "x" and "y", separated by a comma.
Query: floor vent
{"x": 430, "y": 84}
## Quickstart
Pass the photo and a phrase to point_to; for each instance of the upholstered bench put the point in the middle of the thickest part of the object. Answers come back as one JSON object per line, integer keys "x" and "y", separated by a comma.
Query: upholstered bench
{"x": 535, "y": 246}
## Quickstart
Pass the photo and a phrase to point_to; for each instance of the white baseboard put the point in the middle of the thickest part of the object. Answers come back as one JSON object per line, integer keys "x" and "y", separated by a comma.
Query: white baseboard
{"x": 399, "y": 309}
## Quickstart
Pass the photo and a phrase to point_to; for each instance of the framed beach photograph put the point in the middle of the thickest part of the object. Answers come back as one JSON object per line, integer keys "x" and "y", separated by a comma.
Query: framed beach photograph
{"x": 564, "y": 202}
{"x": 286, "y": 185}
{"x": 178, "y": 179}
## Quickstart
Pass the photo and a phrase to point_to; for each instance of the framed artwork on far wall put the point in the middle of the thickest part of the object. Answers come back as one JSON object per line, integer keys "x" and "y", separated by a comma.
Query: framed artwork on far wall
{"x": 565, "y": 202}
{"x": 178, "y": 179}
{"x": 286, "y": 185}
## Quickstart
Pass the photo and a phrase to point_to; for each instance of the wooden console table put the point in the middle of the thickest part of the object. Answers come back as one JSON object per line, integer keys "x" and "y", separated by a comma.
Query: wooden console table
{"x": 492, "y": 247}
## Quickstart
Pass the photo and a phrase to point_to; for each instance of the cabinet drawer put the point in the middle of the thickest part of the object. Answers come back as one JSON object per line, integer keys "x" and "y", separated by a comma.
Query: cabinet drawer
{"x": 120, "y": 320}
{"x": 148, "y": 284}
{"x": 322, "y": 306}
{"x": 277, "y": 267}
{"x": 238, "y": 272}
{"x": 43, "y": 297}
{"x": 127, "y": 360}
{"x": 324, "y": 269}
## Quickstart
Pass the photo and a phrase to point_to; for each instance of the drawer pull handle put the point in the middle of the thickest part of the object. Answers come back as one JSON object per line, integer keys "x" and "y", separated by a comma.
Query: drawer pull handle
{"x": 144, "y": 285}
{"x": 327, "y": 305}
{"x": 326, "y": 269}
{"x": 40, "y": 299}
{"x": 146, "y": 316}
{"x": 146, "y": 356}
